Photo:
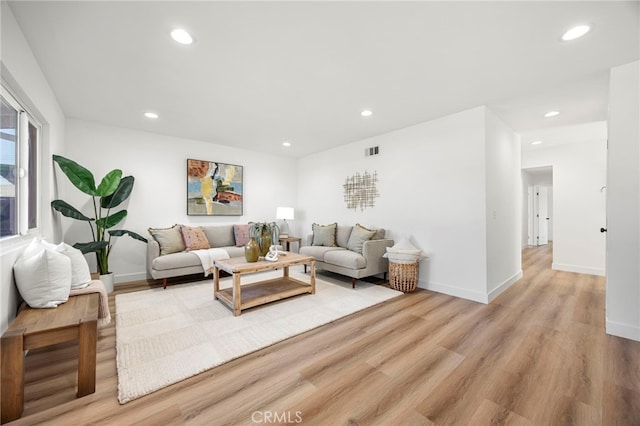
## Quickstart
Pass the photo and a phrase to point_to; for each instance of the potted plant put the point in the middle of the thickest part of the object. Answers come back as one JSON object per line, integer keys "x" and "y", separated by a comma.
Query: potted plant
{"x": 112, "y": 191}
{"x": 265, "y": 234}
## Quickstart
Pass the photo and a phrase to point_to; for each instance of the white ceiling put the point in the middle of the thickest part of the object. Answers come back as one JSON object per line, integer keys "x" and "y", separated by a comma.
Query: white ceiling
{"x": 264, "y": 72}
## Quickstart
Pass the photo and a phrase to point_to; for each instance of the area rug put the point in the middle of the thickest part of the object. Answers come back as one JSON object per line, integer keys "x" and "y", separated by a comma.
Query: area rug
{"x": 165, "y": 336}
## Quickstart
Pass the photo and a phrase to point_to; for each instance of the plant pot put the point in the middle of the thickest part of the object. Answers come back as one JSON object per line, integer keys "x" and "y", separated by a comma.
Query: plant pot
{"x": 252, "y": 251}
{"x": 107, "y": 280}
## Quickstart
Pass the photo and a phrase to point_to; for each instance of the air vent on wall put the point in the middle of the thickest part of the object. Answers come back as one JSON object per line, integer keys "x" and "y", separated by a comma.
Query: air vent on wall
{"x": 374, "y": 150}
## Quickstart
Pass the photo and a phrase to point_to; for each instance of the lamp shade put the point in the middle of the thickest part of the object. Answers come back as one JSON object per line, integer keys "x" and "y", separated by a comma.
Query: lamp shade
{"x": 284, "y": 213}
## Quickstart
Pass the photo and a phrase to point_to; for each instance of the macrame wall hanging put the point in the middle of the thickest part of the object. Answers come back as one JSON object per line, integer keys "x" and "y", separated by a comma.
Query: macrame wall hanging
{"x": 360, "y": 190}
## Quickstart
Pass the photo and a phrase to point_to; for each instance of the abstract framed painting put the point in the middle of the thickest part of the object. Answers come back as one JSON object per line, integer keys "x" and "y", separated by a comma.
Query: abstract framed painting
{"x": 214, "y": 188}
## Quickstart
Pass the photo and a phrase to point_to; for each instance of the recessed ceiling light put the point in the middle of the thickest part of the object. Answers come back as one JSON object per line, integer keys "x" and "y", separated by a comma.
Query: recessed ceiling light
{"x": 366, "y": 113}
{"x": 181, "y": 36}
{"x": 576, "y": 32}
{"x": 151, "y": 115}
{"x": 286, "y": 143}
{"x": 536, "y": 142}
{"x": 551, "y": 114}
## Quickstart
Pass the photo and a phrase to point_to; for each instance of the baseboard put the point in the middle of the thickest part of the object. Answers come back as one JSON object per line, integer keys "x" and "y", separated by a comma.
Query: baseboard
{"x": 454, "y": 291}
{"x": 627, "y": 331}
{"x": 578, "y": 269}
{"x": 125, "y": 278}
{"x": 505, "y": 285}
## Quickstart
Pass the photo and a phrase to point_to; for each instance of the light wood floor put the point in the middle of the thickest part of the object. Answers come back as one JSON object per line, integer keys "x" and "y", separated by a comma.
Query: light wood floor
{"x": 537, "y": 355}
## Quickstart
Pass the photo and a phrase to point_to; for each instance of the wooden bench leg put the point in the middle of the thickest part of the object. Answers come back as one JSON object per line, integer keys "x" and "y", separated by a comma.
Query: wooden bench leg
{"x": 12, "y": 375}
{"x": 87, "y": 352}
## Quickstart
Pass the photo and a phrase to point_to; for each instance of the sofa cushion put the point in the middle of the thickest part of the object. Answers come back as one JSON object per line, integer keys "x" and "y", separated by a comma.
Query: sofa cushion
{"x": 220, "y": 235}
{"x": 235, "y": 251}
{"x": 345, "y": 258}
{"x": 342, "y": 235}
{"x": 194, "y": 238}
{"x": 318, "y": 252}
{"x": 176, "y": 260}
{"x": 324, "y": 235}
{"x": 169, "y": 239}
{"x": 241, "y": 234}
{"x": 359, "y": 235}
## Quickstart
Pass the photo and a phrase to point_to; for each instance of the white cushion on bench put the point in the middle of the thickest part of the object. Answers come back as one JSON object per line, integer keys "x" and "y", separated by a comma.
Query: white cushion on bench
{"x": 43, "y": 276}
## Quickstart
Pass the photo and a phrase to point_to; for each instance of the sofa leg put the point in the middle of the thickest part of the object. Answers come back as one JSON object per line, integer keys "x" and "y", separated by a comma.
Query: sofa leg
{"x": 353, "y": 283}
{"x": 385, "y": 276}
{"x": 305, "y": 268}
{"x": 164, "y": 283}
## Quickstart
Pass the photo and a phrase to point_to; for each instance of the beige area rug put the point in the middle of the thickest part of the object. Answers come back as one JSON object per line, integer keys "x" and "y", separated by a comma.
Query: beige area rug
{"x": 165, "y": 336}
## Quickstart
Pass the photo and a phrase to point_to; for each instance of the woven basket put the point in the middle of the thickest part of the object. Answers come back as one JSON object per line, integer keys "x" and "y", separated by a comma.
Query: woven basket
{"x": 403, "y": 276}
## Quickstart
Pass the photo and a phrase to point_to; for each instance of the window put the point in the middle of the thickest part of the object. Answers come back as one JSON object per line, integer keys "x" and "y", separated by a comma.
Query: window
{"x": 19, "y": 135}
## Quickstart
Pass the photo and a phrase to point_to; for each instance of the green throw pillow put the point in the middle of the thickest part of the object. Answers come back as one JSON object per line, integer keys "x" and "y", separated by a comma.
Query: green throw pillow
{"x": 324, "y": 235}
{"x": 169, "y": 239}
{"x": 358, "y": 236}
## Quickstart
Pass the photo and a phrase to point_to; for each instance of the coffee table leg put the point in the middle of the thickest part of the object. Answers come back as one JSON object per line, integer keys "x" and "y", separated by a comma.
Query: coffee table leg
{"x": 313, "y": 277}
{"x": 216, "y": 282}
{"x": 237, "y": 296}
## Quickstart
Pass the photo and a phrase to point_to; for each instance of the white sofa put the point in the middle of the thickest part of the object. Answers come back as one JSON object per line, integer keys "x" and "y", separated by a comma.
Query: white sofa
{"x": 175, "y": 264}
{"x": 340, "y": 259}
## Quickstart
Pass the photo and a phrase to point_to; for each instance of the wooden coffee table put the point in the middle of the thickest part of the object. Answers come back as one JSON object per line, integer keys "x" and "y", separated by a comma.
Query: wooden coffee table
{"x": 240, "y": 297}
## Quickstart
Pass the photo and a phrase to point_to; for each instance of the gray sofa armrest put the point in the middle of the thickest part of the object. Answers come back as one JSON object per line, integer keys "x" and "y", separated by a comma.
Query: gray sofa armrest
{"x": 153, "y": 251}
{"x": 373, "y": 250}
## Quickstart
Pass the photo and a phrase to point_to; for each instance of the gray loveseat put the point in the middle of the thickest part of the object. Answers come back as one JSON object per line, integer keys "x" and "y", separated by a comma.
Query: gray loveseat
{"x": 166, "y": 258}
{"x": 351, "y": 253}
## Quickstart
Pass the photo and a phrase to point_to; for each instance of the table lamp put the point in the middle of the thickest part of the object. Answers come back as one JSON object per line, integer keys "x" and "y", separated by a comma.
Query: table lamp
{"x": 284, "y": 213}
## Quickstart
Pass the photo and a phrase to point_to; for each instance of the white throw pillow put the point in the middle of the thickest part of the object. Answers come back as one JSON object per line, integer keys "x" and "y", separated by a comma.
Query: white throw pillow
{"x": 403, "y": 252}
{"x": 80, "y": 273}
{"x": 43, "y": 276}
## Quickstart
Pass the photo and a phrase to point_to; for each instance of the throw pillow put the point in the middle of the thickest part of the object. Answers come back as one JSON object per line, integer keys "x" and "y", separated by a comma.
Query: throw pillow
{"x": 241, "y": 234}
{"x": 324, "y": 235}
{"x": 80, "y": 273}
{"x": 404, "y": 252}
{"x": 194, "y": 238}
{"x": 170, "y": 239}
{"x": 43, "y": 276}
{"x": 358, "y": 236}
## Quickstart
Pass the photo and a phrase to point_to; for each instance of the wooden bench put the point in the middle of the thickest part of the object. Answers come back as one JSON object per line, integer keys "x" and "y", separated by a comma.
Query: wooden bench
{"x": 77, "y": 319}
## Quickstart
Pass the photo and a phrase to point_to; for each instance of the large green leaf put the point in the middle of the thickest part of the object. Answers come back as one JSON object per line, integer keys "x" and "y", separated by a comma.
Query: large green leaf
{"x": 91, "y": 247}
{"x": 109, "y": 183}
{"x": 78, "y": 175}
{"x": 111, "y": 220}
{"x": 121, "y": 193}
{"x": 121, "y": 232}
{"x": 69, "y": 211}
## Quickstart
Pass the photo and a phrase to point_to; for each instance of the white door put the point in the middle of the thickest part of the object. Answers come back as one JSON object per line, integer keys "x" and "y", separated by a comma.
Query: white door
{"x": 543, "y": 215}
{"x": 531, "y": 233}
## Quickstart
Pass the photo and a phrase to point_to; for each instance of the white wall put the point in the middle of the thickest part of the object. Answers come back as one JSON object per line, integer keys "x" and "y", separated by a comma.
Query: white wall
{"x": 158, "y": 164}
{"x": 432, "y": 180}
{"x": 579, "y": 171}
{"x": 21, "y": 72}
{"x": 504, "y": 205}
{"x": 623, "y": 204}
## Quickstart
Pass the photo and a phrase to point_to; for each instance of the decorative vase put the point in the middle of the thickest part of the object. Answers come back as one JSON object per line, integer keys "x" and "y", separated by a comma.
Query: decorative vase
{"x": 264, "y": 242}
{"x": 252, "y": 250}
